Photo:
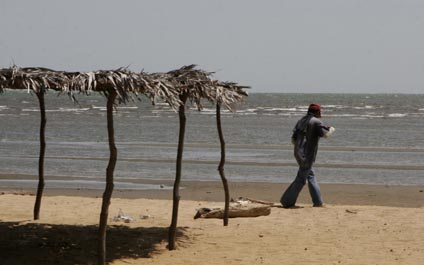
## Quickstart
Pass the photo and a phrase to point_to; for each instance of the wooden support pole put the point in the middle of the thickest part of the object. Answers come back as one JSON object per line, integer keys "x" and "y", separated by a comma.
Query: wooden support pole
{"x": 222, "y": 163}
{"x": 176, "y": 193}
{"x": 109, "y": 181}
{"x": 43, "y": 121}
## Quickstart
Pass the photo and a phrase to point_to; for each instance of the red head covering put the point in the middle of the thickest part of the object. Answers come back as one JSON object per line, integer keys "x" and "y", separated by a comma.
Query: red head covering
{"x": 314, "y": 108}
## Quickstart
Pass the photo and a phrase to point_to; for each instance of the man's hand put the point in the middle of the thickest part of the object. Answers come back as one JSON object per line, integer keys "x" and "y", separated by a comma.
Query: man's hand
{"x": 330, "y": 131}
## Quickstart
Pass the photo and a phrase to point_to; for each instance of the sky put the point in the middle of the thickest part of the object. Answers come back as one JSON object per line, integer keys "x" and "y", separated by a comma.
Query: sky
{"x": 305, "y": 46}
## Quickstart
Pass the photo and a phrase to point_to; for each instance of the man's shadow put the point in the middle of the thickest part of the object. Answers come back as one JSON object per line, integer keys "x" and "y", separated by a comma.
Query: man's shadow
{"x": 35, "y": 244}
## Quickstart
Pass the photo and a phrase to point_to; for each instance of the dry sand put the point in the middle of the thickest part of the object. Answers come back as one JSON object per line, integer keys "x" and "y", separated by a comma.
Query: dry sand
{"x": 358, "y": 226}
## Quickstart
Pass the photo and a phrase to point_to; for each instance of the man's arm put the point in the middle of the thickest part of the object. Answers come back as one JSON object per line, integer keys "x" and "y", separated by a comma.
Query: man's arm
{"x": 323, "y": 130}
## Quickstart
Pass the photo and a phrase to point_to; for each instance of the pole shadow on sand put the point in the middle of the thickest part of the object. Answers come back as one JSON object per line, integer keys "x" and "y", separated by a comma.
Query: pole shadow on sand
{"x": 36, "y": 244}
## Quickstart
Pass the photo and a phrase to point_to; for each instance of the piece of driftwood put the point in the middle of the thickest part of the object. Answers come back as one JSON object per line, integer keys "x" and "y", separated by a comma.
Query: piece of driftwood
{"x": 271, "y": 204}
{"x": 237, "y": 209}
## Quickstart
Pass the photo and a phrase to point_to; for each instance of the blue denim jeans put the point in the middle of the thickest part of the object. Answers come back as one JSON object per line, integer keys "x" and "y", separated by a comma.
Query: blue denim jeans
{"x": 290, "y": 195}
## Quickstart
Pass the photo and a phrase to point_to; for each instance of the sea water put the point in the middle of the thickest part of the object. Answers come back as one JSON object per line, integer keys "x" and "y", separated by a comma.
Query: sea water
{"x": 379, "y": 139}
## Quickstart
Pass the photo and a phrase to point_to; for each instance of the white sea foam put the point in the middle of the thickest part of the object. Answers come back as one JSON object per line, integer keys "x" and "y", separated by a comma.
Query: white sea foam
{"x": 127, "y": 107}
{"x": 365, "y": 107}
{"x": 372, "y": 116}
{"x": 302, "y": 107}
{"x": 252, "y": 110}
{"x": 30, "y": 110}
{"x": 98, "y": 107}
{"x": 341, "y": 115}
{"x": 281, "y": 109}
{"x": 397, "y": 115}
{"x": 68, "y": 110}
{"x": 245, "y": 113}
{"x": 334, "y": 106}
{"x": 206, "y": 110}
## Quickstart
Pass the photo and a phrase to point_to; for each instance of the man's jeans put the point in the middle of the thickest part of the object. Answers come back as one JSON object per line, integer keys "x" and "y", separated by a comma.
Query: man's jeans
{"x": 290, "y": 195}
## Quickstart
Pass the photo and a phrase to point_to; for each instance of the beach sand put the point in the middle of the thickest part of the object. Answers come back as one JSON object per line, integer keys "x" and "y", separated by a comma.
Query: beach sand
{"x": 362, "y": 224}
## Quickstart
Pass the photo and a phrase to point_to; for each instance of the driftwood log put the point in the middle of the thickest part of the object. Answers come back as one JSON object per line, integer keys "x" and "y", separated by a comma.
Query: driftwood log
{"x": 236, "y": 209}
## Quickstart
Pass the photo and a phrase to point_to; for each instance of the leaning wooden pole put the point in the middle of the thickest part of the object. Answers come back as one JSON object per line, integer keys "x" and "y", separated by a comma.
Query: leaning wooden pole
{"x": 43, "y": 121}
{"x": 176, "y": 193}
{"x": 109, "y": 181}
{"x": 222, "y": 163}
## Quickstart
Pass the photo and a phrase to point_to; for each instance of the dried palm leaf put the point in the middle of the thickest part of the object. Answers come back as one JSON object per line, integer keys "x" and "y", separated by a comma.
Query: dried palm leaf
{"x": 187, "y": 81}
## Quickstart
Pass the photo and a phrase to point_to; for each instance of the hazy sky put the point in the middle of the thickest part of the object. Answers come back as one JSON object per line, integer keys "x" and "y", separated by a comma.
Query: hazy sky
{"x": 309, "y": 46}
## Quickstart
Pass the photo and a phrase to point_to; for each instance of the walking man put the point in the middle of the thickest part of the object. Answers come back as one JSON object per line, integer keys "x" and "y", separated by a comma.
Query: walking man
{"x": 306, "y": 134}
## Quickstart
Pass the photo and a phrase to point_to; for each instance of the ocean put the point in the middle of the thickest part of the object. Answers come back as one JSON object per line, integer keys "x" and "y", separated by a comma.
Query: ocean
{"x": 379, "y": 139}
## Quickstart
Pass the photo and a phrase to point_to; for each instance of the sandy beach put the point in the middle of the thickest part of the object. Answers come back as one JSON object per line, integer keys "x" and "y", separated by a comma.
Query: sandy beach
{"x": 362, "y": 224}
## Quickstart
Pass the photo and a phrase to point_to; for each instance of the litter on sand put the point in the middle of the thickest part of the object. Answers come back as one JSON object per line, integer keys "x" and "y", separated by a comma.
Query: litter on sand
{"x": 122, "y": 217}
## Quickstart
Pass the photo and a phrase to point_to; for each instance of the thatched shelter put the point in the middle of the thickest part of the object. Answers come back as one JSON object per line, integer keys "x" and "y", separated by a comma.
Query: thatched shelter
{"x": 120, "y": 86}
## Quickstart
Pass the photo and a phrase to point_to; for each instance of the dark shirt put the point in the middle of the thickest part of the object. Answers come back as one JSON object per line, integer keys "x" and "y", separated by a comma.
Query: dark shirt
{"x": 306, "y": 135}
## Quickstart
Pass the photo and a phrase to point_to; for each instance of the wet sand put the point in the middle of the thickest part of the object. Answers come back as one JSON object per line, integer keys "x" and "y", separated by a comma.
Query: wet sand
{"x": 335, "y": 194}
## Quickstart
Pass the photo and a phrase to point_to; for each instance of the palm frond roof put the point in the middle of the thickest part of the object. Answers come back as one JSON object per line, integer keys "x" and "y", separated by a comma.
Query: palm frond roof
{"x": 187, "y": 81}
